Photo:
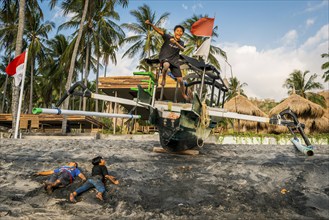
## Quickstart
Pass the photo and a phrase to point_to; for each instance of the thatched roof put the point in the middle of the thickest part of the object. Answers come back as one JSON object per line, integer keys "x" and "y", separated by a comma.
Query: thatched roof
{"x": 325, "y": 94}
{"x": 300, "y": 106}
{"x": 242, "y": 105}
{"x": 318, "y": 124}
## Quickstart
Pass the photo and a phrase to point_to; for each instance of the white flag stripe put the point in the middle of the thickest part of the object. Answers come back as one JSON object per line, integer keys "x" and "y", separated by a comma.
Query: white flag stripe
{"x": 19, "y": 74}
{"x": 204, "y": 49}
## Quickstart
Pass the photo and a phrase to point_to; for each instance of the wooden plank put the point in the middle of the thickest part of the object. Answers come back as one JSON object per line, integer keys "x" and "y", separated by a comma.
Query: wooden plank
{"x": 35, "y": 123}
{"x": 23, "y": 123}
{"x": 184, "y": 152}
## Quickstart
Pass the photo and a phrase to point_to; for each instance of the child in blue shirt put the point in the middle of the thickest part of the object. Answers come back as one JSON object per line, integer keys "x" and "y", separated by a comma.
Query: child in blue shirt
{"x": 61, "y": 176}
{"x": 99, "y": 175}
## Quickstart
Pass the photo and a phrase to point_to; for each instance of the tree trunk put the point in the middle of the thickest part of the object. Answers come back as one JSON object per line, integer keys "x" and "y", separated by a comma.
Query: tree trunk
{"x": 31, "y": 87}
{"x": 4, "y": 95}
{"x": 103, "y": 105}
{"x": 80, "y": 98}
{"x": 86, "y": 74}
{"x": 18, "y": 51}
{"x": 97, "y": 75}
{"x": 72, "y": 64}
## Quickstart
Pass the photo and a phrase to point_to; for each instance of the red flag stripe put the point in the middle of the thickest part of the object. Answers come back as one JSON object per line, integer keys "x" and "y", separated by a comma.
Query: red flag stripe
{"x": 203, "y": 27}
{"x": 11, "y": 68}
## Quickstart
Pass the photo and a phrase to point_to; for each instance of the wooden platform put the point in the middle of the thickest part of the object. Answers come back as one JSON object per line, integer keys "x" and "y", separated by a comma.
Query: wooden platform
{"x": 122, "y": 85}
{"x": 185, "y": 152}
{"x": 52, "y": 123}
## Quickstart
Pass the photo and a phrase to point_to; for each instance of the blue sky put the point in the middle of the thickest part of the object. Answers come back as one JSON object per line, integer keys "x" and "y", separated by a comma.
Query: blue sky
{"x": 264, "y": 40}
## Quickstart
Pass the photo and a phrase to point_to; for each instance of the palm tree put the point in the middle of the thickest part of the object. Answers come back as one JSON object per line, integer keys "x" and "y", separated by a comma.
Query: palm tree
{"x": 99, "y": 31}
{"x": 325, "y": 66}
{"x": 67, "y": 6}
{"x": 107, "y": 34}
{"x": 301, "y": 85}
{"x": 37, "y": 33}
{"x": 4, "y": 85}
{"x": 235, "y": 88}
{"x": 146, "y": 42}
{"x": 18, "y": 51}
{"x": 194, "y": 42}
{"x": 53, "y": 68}
{"x": 8, "y": 32}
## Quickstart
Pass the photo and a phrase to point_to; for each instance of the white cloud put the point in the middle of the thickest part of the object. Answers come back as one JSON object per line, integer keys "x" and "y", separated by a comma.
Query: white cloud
{"x": 59, "y": 14}
{"x": 321, "y": 36}
{"x": 265, "y": 71}
{"x": 196, "y": 6}
{"x": 125, "y": 66}
{"x": 290, "y": 38}
{"x": 317, "y": 6}
{"x": 309, "y": 22}
{"x": 185, "y": 7}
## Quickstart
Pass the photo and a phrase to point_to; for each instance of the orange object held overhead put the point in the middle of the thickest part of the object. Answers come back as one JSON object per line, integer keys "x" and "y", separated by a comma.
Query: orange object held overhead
{"x": 203, "y": 27}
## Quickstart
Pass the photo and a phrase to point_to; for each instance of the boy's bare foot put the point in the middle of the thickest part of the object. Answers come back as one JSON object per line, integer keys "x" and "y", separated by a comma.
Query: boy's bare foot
{"x": 72, "y": 198}
{"x": 163, "y": 82}
{"x": 189, "y": 96}
{"x": 186, "y": 98}
{"x": 49, "y": 189}
{"x": 99, "y": 196}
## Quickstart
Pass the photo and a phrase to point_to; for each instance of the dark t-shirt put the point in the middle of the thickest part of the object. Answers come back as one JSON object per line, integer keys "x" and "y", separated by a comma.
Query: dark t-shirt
{"x": 99, "y": 170}
{"x": 170, "y": 51}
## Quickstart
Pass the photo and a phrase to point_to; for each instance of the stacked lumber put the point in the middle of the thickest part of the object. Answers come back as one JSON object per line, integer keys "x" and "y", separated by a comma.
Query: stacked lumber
{"x": 127, "y": 82}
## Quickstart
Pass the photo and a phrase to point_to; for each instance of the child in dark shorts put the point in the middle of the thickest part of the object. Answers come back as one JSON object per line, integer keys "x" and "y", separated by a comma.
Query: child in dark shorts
{"x": 99, "y": 175}
{"x": 62, "y": 176}
{"x": 169, "y": 56}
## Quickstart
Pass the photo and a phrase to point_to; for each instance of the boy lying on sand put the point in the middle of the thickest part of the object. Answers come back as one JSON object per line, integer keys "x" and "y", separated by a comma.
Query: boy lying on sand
{"x": 99, "y": 174}
{"x": 62, "y": 176}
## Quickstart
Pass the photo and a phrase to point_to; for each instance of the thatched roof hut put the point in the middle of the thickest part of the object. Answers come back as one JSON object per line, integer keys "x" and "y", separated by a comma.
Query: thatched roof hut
{"x": 305, "y": 111}
{"x": 318, "y": 124}
{"x": 240, "y": 104}
{"x": 300, "y": 106}
{"x": 325, "y": 94}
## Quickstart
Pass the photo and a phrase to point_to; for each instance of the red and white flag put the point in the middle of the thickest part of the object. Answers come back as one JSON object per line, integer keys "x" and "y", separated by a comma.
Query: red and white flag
{"x": 16, "y": 68}
{"x": 204, "y": 49}
{"x": 203, "y": 27}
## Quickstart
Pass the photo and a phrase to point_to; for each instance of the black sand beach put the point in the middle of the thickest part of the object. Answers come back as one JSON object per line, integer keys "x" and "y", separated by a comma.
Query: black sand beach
{"x": 223, "y": 182}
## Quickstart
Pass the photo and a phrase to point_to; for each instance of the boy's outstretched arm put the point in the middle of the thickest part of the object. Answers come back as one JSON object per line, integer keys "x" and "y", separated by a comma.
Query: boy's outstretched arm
{"x": 112, "y": 179}
{"x": 45, "y": 173}
{"x": 158, "y": 30}
{"x": 82, "y": 177}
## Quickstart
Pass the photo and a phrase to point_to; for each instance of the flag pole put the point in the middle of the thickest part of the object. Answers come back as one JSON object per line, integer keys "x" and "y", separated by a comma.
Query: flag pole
{"x": 21, "y": 96}
{"x": 203, "y": 75}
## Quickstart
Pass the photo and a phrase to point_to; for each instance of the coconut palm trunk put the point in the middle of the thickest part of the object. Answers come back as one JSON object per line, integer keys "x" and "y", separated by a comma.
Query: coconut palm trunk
{"x": 31, "y": 87}
{"x": 18, "y": 50}
{"x": 72, "y": 64}
{"x": 103, "y": 102}
{"x": 97, "y": 76}
{"x": 4, "y": 94}
{"x": 86, "y": 74}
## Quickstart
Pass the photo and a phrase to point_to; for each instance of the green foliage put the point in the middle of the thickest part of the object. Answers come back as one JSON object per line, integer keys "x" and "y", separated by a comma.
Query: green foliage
{"x": 325, "y": 67}
{"x": 146, "y": 41}
{"x": 235, "y": 88}
{"x": 243, "y": 138}
{"x": 299, "y": 83}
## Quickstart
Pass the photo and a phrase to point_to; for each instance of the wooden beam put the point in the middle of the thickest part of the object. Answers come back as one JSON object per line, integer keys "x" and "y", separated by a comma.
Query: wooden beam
{"x": 184, "y": 152}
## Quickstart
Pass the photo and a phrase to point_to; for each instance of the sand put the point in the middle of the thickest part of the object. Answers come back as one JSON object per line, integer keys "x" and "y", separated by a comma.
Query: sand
{"x": 222, "y": 182}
